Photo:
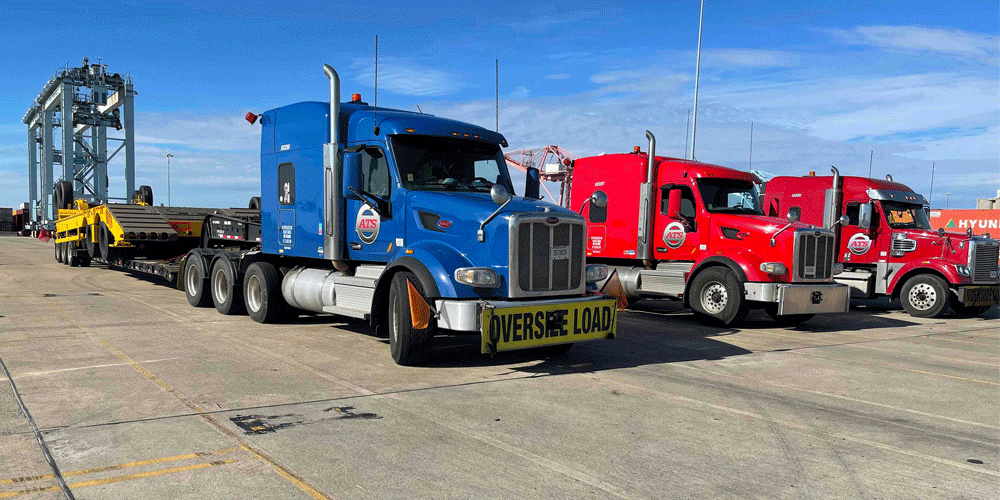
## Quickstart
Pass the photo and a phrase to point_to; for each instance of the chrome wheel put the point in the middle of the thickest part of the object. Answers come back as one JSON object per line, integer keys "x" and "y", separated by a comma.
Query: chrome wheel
{"x": 255, "y": 297}
{"x": 220, "y": 287}
{"x": 192, "y": 281}
{"x": 714, "y": 297}
{"x": 922, "y": 296}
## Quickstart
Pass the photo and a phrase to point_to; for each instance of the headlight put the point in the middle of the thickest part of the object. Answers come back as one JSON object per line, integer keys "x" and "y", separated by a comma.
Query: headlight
{"x": 596, "y": 272}
{"x": 962, "y": 270}
{"x": 773, "y": 268}
{"x": 838, "y": 268}
{"x": 477, "y": 276}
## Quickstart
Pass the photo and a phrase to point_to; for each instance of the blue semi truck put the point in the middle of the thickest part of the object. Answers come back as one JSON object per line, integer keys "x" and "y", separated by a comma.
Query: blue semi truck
{"x": 407, "y": 220}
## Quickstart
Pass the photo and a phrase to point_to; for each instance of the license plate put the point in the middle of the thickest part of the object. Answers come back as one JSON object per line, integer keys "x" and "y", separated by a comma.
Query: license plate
{"x": 510, "y": 328}
{"x": 981, "y": 295}
{"x": 560, "y": 253}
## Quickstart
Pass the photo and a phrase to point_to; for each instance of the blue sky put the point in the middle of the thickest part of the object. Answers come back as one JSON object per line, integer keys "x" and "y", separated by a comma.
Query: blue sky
{"x": 825, "y": 83}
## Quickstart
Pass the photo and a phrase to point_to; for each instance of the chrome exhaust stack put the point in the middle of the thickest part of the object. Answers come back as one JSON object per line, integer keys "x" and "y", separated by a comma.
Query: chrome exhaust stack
{"x": 831, "y": 202}
{"x": 646, "y": 205}
{"x": 333, "y": 248}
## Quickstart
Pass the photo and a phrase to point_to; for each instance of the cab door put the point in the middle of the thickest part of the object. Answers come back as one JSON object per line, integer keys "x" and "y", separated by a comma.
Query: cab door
{"x": 370, "y": 214}
{"x": 678, "y": 239}
{"x": 860, "y": 244}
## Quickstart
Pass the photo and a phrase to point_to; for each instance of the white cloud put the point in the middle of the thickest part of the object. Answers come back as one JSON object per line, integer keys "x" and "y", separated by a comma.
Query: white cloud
{"x": 558, "y": 76}
{"x": 405, "y": 77}
{"x": 751, "y": 58}
{"x": 614, "y": 76}
{"x": 943, "y": 41}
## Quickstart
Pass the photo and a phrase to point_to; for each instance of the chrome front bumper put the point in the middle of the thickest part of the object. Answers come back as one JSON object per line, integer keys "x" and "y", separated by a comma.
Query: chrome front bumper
{"x": 802, "y": 298}
{"x": 466, "y": 315}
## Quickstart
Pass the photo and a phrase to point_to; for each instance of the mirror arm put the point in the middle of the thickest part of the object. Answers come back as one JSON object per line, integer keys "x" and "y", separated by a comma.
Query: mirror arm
{"x": 378, "y": 205}
{"x": 481, "y": 235}
{"x": 773, "y": 240}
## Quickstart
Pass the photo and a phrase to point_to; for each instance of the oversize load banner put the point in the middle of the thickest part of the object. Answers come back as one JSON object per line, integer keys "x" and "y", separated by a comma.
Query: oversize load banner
{"x": 506, "y": 329}
{"x": 959, "y": 221}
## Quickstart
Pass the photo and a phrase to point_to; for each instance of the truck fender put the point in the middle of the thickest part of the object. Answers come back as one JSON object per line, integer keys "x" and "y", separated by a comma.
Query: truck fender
{"x": 934, "y": 266}
{"x": 404, "y": 263}
{"x": 715, "y": 260}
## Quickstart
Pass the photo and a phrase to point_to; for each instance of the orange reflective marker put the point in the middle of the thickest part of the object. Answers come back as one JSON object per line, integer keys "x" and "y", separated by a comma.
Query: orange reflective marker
{"x": 420, "y": 312}
{"x": 614, "y": 288}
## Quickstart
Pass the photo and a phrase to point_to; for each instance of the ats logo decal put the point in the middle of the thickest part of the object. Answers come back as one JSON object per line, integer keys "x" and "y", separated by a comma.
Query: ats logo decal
{"x": 673, "y": 235}
{"x": 859, "y": 244}
{"x": 367, "y": 224}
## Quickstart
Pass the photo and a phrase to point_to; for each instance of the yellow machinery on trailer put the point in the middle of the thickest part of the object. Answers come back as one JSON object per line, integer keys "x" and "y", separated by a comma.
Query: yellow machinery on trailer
{"x": 136, "y": 235}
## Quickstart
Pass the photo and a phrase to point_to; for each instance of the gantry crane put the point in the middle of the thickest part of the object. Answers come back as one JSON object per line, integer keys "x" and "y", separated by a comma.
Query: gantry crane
{"x": 560, "y": 170}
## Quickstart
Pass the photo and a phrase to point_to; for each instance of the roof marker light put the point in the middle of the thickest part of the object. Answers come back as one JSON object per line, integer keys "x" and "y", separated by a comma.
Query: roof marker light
{"x": 250, "y": 117}
{"x": 411, "y": 130}
{"x": 355, "y": 97}
{"x": 636, "y": 149}
{"x": 454, "y": 134}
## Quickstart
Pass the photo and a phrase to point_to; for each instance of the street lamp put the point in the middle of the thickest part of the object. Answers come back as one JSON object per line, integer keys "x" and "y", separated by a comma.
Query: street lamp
{"x": 946, "y": 196}
{"x": 168, "y": 156}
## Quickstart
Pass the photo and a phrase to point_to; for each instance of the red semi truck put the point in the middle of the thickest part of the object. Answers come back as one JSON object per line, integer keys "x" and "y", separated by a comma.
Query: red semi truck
{"x": 887, "y": 246}
{"x": 694, "y": 231}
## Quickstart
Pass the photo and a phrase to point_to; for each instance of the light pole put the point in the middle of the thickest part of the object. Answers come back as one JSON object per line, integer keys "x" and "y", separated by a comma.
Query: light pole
{"x": 946, "y": 196}
{"x": 697, "y": 73}
{"x": 168, "y": 156}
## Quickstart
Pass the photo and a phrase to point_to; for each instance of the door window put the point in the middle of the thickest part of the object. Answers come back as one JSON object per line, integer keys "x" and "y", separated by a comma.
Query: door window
{"x": 375, "y": 172}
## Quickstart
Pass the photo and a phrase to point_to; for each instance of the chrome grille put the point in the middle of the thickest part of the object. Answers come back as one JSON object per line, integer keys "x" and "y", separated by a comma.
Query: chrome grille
{"x": 983, "y": 257}
{"x": 814, "y": 255}
{"x": 904, "y": 245}
{"x": 546, "y": 257}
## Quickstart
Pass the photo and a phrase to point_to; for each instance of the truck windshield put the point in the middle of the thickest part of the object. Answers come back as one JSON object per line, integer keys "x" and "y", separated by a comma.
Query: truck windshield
{"x": 729, "y": 195}
{"x": 438, "y": 163}
{"x": 904, "y": 216}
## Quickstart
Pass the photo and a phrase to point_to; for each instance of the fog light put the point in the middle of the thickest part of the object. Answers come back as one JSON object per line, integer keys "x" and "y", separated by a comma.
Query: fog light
{"x": 596, "y": 272}
{"x": 962, "y": 270}
{"x": 773, "y": 268}
{"x": 477, "y": 276}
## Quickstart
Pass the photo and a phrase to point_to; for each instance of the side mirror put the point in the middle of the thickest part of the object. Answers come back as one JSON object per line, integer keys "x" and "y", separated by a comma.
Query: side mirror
{"x": 599, "y": 199}
{"x": 940, "y": 232}
{"x": 794, "y": 214}
{"x": 865, "y": 216}
{"x": 499, "y": 194}
{"x": 844, "y": 220}
{"x": 352, "y": 175}
{"x": 531, "y": 184}
{"x": 674, "y": 204}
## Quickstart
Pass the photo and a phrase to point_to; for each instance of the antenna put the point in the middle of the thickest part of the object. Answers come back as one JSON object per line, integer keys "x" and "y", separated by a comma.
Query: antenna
{"x": 420, "y": 110}
{"x": 931, "y": 195}
{"x": 375, "y": 111}
{"x": 870, "y": 158}
{"x": 751, "y": 145}
{"x": 687, "y": 133}
{"x": 697, "y": 73}
{"x": 498, "y": 95}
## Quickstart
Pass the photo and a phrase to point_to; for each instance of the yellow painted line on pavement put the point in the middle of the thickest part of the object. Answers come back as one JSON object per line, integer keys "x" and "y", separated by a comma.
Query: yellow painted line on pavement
{"x": 953, "y": 376}
{"x": 118, "y": 479}
{"x": 120, "y": 466}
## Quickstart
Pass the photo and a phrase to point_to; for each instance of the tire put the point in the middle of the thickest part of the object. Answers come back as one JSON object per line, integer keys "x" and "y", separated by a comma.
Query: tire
{"x": 925, "y": 296}
{"x": 227, "y": 294}
{"x": 408, "y": 346}
{"x": 195, "y": 282}
{"x": 968, "y": 311}
{"x": 57, "y": 250}
{"x": 106, "y": 239}
{"x": 717, "y": 297}
{"x": 71, "y": 254}
{"x": 63, "y": 195}
{"x": 64, "y": 253}
{"x": 786, "y": 319}
{"x": 145, "y": 194}
{"x": 254, "y": 203}
{"x": 93, "y": 249}
{"x": 262, "y": 293}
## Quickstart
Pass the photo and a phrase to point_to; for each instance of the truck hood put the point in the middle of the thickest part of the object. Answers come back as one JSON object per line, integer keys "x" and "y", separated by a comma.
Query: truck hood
{"x": 478, "y": 206}
{"x": 754, "y": 223}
